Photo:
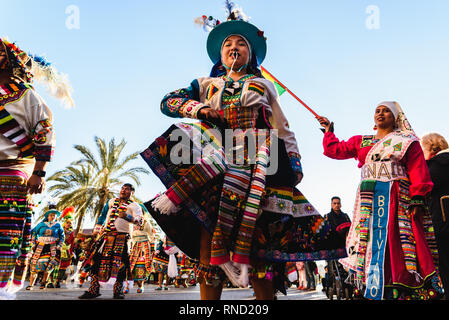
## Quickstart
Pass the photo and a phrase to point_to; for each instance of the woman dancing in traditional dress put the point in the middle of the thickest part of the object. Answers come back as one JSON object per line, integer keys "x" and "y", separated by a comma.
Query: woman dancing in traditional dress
{"x": 141, "y": 253}
{"x": 48, "y": 237}
{"x": 60, "y": 273}
{"x": 390, "y": 245}
{"x": 237, "y": 218}
{"x": 160, "y": 263}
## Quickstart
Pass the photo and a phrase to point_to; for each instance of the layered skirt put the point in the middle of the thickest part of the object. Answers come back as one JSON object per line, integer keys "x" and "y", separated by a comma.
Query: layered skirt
{"x": 141, "y": 260}
{"x": 286, "y": 226}
{"x": 160, "y": 262}
{"x": 45, "y": 257}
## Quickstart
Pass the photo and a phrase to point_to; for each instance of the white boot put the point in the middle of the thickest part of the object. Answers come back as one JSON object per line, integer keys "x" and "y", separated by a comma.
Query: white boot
{"x": 243, "y": 280}
{"x": 231, "y": 272}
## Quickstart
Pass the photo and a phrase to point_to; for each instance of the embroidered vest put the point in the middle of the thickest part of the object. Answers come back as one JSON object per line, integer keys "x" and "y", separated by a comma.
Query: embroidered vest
{"x": 236, "y": 115}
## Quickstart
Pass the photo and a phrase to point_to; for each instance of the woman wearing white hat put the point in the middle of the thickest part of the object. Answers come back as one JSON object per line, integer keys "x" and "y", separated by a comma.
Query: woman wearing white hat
{"x": 391, "y": 245}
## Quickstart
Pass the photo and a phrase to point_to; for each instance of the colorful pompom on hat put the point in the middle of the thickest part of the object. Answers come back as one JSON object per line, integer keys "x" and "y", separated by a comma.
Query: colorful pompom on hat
{"x": 67, "y": 213}
{"x": 236, "y": 24}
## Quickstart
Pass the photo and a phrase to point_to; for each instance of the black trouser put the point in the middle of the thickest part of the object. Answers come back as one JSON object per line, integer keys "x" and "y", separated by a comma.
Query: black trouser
{"x": 310, "y": 278}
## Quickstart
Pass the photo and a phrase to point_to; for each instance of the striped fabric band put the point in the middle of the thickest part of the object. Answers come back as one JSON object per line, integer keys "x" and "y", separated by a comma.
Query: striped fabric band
{"x": 9, "y": 127}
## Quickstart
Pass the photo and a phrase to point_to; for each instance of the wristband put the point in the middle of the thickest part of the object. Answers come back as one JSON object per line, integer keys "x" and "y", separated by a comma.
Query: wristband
{"x": 39, "y": 173}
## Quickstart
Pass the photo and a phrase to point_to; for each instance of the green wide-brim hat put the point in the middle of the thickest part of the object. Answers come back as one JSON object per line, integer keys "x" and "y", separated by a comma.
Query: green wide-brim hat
{"x": 254, "y": 36}
{"x": 56, "y": 212}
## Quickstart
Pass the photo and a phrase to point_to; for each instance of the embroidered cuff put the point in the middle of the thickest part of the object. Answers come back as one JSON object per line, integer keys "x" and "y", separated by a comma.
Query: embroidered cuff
{"x": 43, "y": 153}
{"x": 190, "y": 109}
{"x": 295, "y": 161}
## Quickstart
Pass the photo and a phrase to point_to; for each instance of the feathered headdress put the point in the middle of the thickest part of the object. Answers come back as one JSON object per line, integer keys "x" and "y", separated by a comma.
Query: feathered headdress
{"x": 27, "y": 67}
{"x": 67, "y": 213}
{"x": 235, "y": 24}
{"x": 233, "y": 12}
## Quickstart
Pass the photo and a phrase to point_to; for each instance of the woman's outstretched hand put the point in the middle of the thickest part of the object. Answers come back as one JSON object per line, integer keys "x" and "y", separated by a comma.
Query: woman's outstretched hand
{"x": 325, "y": 123}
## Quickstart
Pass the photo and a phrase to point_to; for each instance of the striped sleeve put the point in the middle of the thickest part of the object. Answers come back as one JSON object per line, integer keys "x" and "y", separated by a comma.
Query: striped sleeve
{"x": 42, "y": 131}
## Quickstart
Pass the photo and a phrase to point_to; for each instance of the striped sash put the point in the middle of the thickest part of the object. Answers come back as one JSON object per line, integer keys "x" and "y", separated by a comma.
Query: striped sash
{"x": 9, "y": 127}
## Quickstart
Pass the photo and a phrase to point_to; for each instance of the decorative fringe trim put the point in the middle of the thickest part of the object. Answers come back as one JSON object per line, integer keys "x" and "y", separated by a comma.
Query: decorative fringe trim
{"x": 164, "y": 205}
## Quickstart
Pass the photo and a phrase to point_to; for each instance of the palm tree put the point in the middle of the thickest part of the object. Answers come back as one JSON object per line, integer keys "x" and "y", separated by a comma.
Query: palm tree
{"x": 75, "y": 187}
{"x": 90, "y": 182}
{"x": 109, "y": 169}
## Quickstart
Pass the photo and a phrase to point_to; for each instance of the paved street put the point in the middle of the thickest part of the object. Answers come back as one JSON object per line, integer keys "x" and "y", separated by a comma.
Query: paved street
{"x": 190, "y": 293}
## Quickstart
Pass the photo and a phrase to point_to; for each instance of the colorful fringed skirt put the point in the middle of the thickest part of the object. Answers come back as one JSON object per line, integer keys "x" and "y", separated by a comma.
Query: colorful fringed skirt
{"x": 186, "y": 265}
{"x": 45, "y": 257}
{"x": 140, "y": 260}
{"x": 15, "y": 226}
{"x": 160, "y": 262}
{"x": 287, "y": 228}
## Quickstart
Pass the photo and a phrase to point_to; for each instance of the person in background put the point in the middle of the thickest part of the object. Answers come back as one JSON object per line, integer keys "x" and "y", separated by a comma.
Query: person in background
{"x": 340, "y": 222}
{"x": 141, "y": 254}
{"x": 311, "y": 270}
{"x": 390, "y": 217}
{"x": 436, "y": 152}
{"x": 160, "y": 263}
{"x": 48, "y": 238}
{"x": 59, "y": 273}
{"x": 110, "y": 258}
{"x": 302, "y": 279}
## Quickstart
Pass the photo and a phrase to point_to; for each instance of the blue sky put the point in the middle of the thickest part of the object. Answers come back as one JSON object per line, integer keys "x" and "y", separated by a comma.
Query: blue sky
{"x": 126, "y": 56}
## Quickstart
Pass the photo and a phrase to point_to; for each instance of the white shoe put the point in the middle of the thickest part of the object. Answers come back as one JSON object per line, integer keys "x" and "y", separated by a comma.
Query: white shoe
{"x": 243, "y": 280}
{"x": 231, "y": 272}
